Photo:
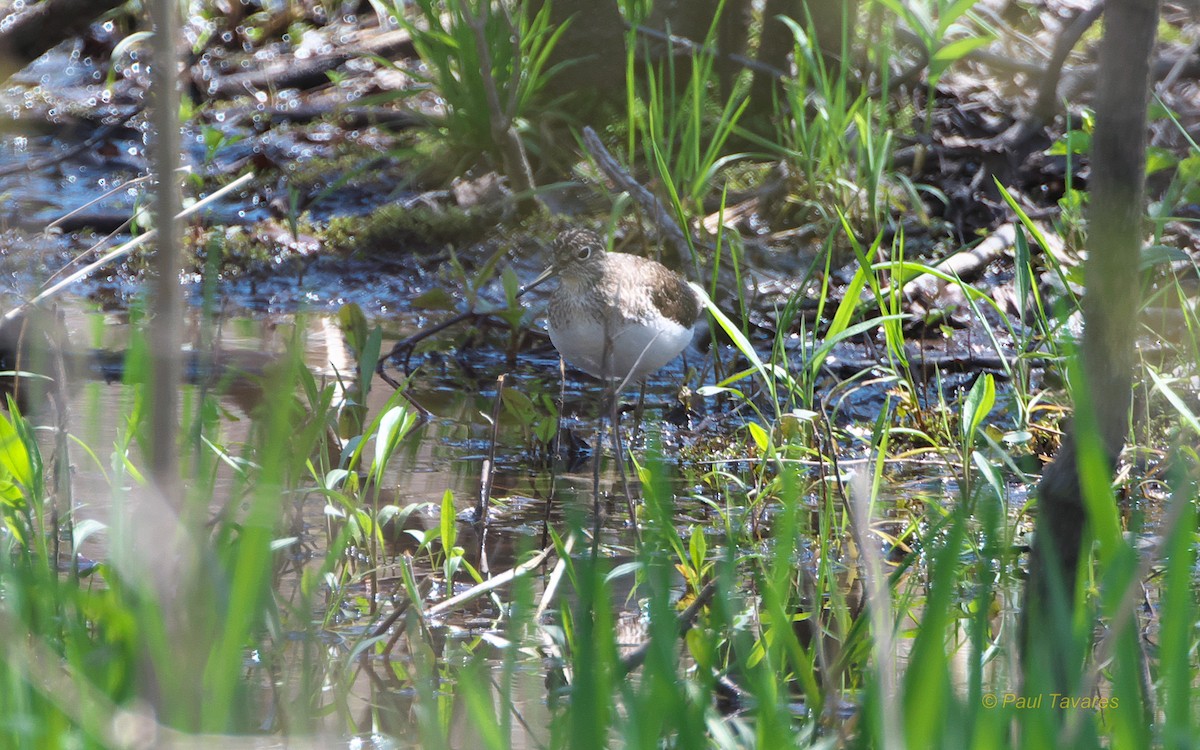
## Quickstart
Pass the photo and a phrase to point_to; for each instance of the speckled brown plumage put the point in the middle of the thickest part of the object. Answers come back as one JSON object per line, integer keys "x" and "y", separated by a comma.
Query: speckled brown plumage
{"x": 645, "y": 310}
{"x": 645, "y": 287}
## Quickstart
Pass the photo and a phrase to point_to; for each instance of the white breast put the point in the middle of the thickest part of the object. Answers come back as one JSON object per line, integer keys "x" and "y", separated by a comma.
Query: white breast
{"x": 635, "y": 347}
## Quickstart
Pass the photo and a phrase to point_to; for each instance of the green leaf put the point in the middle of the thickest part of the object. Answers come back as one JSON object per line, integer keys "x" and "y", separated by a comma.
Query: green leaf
{"x": 850, "y": 302}
{"x": 951, "y": 14}
{"x": 518, "y": 405}
{"x": 1159, "y": 159}
{"x": 1189, "y": 168}
{"x": 1158, "y": 255}
{"x": 435, "y": 299}
{"x": 14, "y": 456}
{"x": 447, "y": 521}
{"x": 368, "y": 358}
{"x": 955, "y": 51}
{"x": 976, "y": 406}
{"x": 393, "y": 426}
{"x": 827, "y": 345}
{"x": 353, "y": 322}
{"x": 742, "y": 344}
{"x": 698, "y": 548}
{"x": 760, "y": 437}
{"x": 1186, "y": 415}
{"x": 1072, "y": 142}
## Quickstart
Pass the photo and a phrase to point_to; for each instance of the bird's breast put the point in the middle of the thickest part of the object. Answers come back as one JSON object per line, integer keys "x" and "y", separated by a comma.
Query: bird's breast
{"x": 620, "y": 347}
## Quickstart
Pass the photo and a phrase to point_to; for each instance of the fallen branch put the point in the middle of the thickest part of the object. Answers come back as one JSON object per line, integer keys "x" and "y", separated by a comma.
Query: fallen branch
{"x": 965, "y": 265}
{"x": 683, "y": 44}
{"x": 29, "y": 33}
{"x": 447, "y": 605}
{"x": 944, "y": 364}
{"x": 646, "y": 200}
{"x": 1046, "y": 105}
{"x": 33, "y": 165}
{"x": 335, "y": 111}
{"x": 290, "y": 73}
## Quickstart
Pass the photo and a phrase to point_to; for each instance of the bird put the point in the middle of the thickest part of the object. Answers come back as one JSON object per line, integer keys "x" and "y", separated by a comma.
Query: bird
{"x": 616, "y": 316}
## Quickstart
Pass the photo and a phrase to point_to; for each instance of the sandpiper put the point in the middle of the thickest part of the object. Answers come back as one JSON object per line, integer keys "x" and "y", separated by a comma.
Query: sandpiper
{"x": 616, "y": 316}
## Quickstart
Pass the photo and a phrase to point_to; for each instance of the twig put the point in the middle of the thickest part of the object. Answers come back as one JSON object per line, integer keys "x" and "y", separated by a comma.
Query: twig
{"x": 32, "y": 166}
{"x": 405, "y": 346}
{"x": 879, "y": 605}
{"x": 117, "y": 230}
{"x": 556, "y": 574}
{"x": 608, "y": 164}
{"x": 964, "y": 265}
{"x": 471, "y": 594}
{"x": 102, "y": 197}
{"x": 31, "y": 29}
{"x": 489, "y": 472}
{"x": 549, "y": 647}
{"x": 414, "y": 600}
{"x": 127, "y": 248}
{"x": 166, "y": 332}
{"x": 1180, "y": 65}
{"x": 619, "y": 448}
{"x": 687, "y": 617}
{"x": 597, "y": 508}
{"x": 291, "y": 73}
{"x": 1046, "y": 104}
{"x": 327, "y": 107}
{"x": 495, "y": 582}
{"x": 692, "y": 47}
{"x": 945, "y": 364}
{"x": 556, "y": 450}
{"x": 63, "y": 500}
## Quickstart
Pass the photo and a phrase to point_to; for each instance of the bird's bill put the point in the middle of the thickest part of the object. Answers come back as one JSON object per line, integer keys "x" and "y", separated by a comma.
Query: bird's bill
{"x": 539, "y": 280}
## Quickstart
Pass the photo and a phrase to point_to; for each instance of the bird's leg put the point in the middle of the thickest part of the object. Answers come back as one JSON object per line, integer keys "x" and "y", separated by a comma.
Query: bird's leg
{"x": 597, "y": 509}
{"x": 619, "y": 449}
{"x": 638, "y": 413}
{"x": 615, "y": 384}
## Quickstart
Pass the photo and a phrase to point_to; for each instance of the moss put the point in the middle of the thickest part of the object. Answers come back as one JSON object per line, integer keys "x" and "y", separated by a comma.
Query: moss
{"x": 241, "y": 251}
{"x": 384, "y": 228}
{"x": 353, "y": 161}
{"x": 247, "y": 250}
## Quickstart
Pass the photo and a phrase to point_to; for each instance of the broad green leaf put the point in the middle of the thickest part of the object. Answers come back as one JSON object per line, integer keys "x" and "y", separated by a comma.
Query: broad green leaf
{"x": 956, "y": 50}
{"x": 976, "y": 406}
{"x": 14, "y": 457}
{"x": 393, "y": 426}
{"x": 447, "y": 519}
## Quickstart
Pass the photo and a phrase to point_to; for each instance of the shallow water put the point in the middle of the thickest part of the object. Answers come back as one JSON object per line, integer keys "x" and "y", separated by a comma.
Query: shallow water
{"x": 447, "y": 453}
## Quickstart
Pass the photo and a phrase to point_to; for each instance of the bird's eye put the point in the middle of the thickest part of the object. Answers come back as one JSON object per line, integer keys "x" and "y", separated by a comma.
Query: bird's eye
{"x": 584, "y": 252}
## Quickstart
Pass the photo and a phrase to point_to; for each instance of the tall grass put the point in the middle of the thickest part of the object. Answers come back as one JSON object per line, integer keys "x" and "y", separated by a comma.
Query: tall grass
{"x": 517, "y": 44}
{"x": 681, "y": 129}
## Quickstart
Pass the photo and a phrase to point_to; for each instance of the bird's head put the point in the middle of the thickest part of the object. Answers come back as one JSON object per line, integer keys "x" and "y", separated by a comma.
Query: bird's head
{"x": 578, "y": 258}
